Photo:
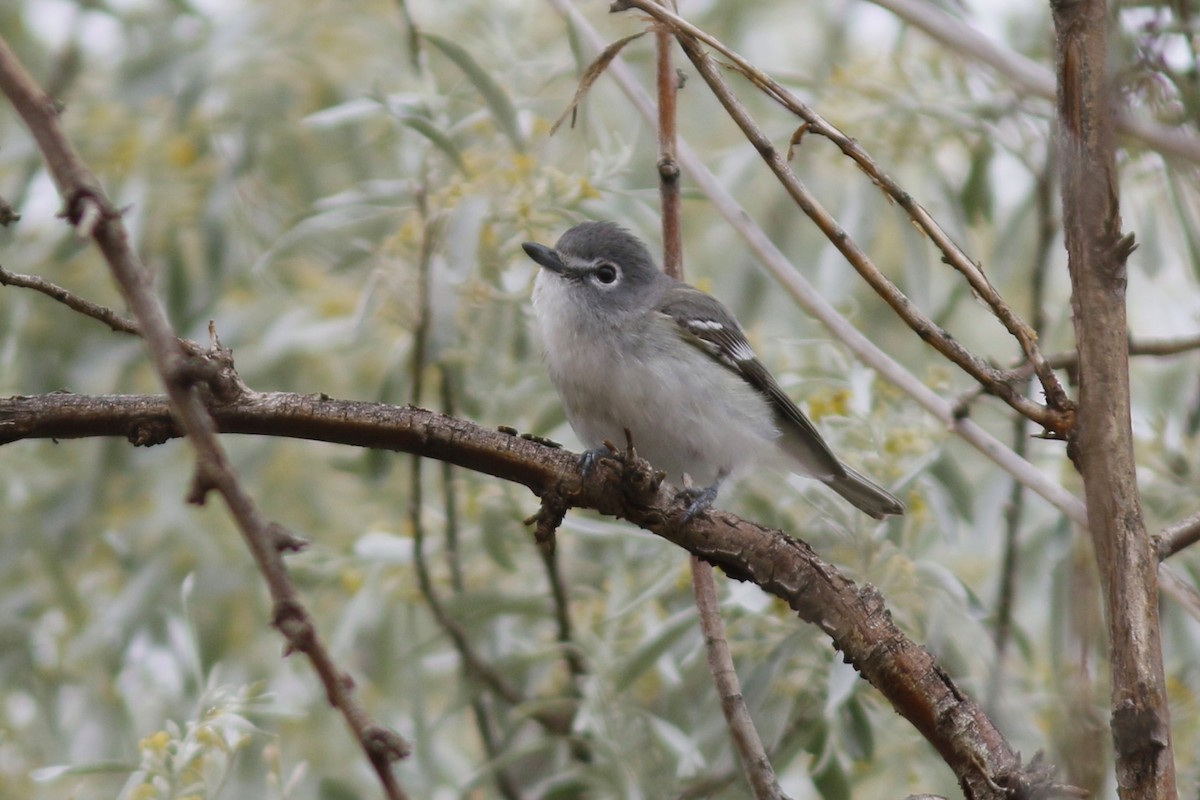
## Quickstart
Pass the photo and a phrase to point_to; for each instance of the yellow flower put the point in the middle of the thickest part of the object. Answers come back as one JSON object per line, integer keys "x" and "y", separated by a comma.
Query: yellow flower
{"x": 156, "y": 742}
{"x": 829, "y": 402}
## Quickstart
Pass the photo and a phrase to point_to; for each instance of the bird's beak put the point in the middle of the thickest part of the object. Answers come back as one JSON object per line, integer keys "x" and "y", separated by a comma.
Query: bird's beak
{"x": 545, "y": 257}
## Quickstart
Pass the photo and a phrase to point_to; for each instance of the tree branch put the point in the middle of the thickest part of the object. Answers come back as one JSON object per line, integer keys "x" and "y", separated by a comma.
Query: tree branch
{"x": 855, "y": 618}
{"x": 1058, "y": 416}
{"x": 1102, "y": 445}
{"x": 756, "y": 765}
{"x": 89, "y": 210}
{"x": 71, "y": 300}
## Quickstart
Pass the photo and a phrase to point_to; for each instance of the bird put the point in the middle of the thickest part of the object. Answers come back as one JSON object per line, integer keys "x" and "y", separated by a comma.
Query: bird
{"x": 630, "y": 348}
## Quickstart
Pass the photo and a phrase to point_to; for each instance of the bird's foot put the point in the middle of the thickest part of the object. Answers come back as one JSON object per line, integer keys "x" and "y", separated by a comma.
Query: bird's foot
{"x": 590, "y": 458}
{"x": 699, "y": 500}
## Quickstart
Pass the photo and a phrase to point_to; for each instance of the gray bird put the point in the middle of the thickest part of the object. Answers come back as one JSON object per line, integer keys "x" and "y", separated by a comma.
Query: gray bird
{"x": 628, "y": 346}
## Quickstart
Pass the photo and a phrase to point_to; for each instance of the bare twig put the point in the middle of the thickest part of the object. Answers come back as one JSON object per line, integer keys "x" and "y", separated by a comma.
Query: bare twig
{"x": 1102, "y": 445}
{"x": 755, "y": 764}
{"x": 807, "y": 297}
{"x": 1058, "y": 418}
{"x": 926, "y": 328}
{"x": 71, "y": 300}
{"x": 480, "y": 707}
{"x": 473, "y": 666}
{"x": 85, "y": 202}
{"x": 1184, "y": 533}
{"x": 1021, "y": 371}
{"x": 668, "y": 167}
{"x": 1137, "y": 347}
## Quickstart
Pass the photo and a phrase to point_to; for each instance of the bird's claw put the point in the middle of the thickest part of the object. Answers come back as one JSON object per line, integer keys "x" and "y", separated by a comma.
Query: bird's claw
{"x": 590, "y": 458}
{"x": 701, "y": 500}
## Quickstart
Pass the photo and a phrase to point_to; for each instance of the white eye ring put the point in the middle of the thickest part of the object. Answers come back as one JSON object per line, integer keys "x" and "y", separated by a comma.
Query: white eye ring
{"x": 606, "y": 273}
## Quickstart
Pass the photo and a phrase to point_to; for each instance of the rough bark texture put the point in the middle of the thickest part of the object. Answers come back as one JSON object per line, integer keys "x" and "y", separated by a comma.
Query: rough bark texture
{"x": 1102, "y": 444}
{"x": 855, "y": 617}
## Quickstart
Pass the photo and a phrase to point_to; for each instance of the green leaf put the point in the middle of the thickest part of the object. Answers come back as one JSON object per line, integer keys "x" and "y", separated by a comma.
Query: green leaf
{"x": 438, "y": 139}
{"x": 496, "y": 98}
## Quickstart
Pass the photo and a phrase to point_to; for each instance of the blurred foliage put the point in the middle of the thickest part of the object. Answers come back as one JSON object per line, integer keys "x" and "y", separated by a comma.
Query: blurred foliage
{"x": 283, "y": 169}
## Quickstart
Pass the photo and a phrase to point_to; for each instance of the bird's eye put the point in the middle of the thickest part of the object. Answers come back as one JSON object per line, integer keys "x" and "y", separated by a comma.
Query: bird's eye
{"x": 607, "y": 274}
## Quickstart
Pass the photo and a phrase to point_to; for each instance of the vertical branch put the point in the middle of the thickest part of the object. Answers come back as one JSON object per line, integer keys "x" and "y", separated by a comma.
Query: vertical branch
{"x": 753, "y": 756}
{"x": 668, "y": 167}
{"x": 755, "y": 764}
{"x": 1101, "y": 446}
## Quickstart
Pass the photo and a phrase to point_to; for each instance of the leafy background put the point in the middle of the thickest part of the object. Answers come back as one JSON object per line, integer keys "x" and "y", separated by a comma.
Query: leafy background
{"x": 282, "y": 168}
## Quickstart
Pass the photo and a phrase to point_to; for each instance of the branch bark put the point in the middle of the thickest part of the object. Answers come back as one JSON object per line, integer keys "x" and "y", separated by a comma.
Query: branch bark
{"x": 187, "y": 378}
{"x": 854, "y": 617}
{"x": 1102, "y": 444}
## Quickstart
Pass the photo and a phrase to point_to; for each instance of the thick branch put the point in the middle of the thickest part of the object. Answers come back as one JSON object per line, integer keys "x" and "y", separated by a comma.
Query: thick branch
{"x": 855, "y": 618}
{"x": 1102, "y": 445}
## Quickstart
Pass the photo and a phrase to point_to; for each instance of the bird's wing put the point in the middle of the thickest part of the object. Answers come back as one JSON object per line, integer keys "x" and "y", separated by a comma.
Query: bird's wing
{"x": 707, "y": 324}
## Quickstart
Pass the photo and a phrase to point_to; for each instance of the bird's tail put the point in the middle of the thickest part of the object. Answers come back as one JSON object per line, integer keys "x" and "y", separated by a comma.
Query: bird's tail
{"x": 865, "y": 495}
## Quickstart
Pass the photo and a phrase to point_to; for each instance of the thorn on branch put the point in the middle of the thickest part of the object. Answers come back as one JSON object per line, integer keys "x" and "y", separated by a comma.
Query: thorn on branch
{"x": 384, "y": 745}
{"x": 85, "y": 208}
{"x": 284, "y": 540}
{"x": 1124, "y": 247}
{"x": 148, "y": 433}
{"x": 203, "y": 482}
{"x": 8, "y": 214}
{"x": 794, "y": 142}
{"x": 548, "y": 518}
{"x": 291, "y": 619}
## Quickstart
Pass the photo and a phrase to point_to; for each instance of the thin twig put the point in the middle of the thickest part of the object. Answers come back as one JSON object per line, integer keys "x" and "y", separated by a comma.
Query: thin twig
{"x": 71, "y": 300}
{"x": 1184, "y": 533}
{"x": 926, "y": 328}
{"x": 480, "y": 707}
{"x": 1137, "y": 347}
{"x": 84, "y": 200}
{"x": 473, "y": 665}
{"x": 756, "y": 766}
{"x": 668, "y": 166}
